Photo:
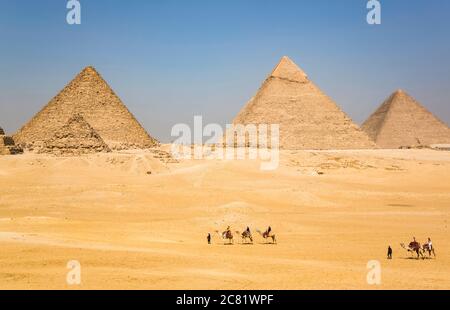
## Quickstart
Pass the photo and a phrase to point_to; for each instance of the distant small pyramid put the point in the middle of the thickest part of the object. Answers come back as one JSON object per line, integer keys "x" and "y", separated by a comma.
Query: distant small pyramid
{"x": 401, "y": 121}
{"x": 7, "y": 145}
{"x": 75, "y": 138}
{"x": 90, "y": 96}
{"x": 308, "y": 118}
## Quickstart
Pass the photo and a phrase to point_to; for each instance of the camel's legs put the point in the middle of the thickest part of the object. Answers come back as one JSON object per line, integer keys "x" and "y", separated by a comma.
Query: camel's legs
{"x": 420, "y": 254}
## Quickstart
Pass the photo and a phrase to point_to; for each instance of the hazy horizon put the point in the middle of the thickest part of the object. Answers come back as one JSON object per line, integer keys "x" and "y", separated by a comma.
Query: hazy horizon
{"x": 171, "y": 60}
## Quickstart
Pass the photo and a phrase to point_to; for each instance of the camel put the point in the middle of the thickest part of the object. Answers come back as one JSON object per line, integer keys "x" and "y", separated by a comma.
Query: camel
{"x": 266, "y": 235}
{"x": 413, "y": 247}
{"x": 227, "y": 235}
{"x": 246, "y": 236}
{"x": 426, "y": 248}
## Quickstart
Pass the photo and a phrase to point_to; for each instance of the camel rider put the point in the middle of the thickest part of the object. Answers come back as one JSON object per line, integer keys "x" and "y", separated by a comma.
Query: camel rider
{"x": 226, "y": 232}
{"x": 430, "y": 244}
{"x": 269, "y": 230}
{"x": 248, "y": 229}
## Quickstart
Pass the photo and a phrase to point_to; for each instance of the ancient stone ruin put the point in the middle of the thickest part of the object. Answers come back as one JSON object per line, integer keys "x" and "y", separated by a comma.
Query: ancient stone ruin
{"x": 402, "y": 122}
{"x": 91, "y": 97}
{"x": 308, "y": 118}
{"x": 75, "y": 138}
{"x": 7, "y": 145}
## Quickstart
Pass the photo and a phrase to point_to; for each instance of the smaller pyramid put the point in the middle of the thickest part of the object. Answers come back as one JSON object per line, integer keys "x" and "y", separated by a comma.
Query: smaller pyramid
{"x": 401, "y": 121}
{"x": 89, "y": 95}
{"x": 7, "y": 145}
{"x": 75, "y": 138}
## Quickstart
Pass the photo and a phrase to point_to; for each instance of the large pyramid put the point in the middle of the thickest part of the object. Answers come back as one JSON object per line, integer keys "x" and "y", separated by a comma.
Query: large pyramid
{"x": 75, "y": 138}
{"x": 401, "y": 121}
{"x": 7, "y": 145}
{"x": 90, "y": 96}
{"x": 308, "y": 118}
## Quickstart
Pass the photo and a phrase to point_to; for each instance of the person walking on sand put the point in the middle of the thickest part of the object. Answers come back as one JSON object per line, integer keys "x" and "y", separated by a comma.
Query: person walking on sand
{"x": 389, "y": 254}
{"x": 209, "y": 238}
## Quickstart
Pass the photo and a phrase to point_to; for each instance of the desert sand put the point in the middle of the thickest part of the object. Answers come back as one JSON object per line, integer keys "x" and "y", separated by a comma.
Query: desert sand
{"x": 332, "y": 212}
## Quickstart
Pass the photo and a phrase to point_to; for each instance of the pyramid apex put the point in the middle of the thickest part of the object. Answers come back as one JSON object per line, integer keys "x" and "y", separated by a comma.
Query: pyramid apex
{"x": 400, "y": 95}
{"x": 89, "y": 70}
{"x": 288, "y": 70}
{"x": 285, "y": 58}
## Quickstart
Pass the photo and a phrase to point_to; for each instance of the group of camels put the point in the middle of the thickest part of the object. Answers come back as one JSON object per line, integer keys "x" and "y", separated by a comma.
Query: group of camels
{"x": 415, "y": 247}
{"x": 246, "y": 236}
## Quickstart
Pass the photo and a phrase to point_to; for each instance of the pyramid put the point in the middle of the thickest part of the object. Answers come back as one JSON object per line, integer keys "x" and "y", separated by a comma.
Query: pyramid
{"x": 7, "y": 145}
{"x": 75, "y": 138}
{"x": 90, "y": 96}
{"x": 401, "y": 121}
{"x": 308, "y": 118}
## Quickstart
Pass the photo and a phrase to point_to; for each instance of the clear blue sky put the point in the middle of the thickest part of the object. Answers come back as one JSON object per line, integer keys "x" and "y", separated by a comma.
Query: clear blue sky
{"x": 169, "y": 60}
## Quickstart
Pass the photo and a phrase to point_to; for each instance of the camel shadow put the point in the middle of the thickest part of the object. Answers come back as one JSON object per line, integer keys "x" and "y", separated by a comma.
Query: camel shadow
{"x": 417, "y": 258}
{"x": 409, "y": 258}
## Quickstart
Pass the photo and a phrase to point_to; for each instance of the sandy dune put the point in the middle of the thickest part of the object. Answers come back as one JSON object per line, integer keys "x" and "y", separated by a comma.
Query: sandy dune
{"x": 332, "y": 211}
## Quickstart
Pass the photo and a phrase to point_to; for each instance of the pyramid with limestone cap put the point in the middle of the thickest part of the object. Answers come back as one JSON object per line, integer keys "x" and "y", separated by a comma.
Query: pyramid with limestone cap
{"x": 401, "y": 121}
{"x": 91, "y": 97}
{"x": 308, "y": 119}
